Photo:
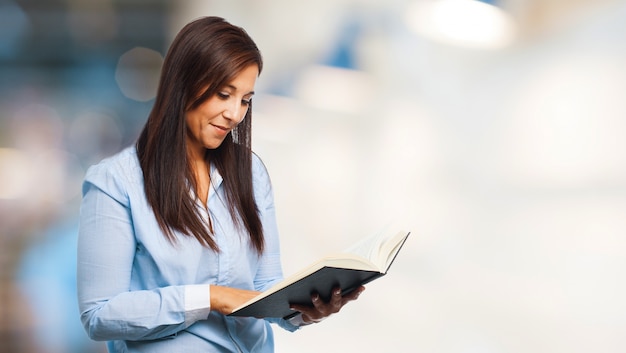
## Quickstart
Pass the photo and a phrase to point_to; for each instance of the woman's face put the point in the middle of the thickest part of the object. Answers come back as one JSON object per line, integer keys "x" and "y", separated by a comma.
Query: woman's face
{"x": 211, "y": 121}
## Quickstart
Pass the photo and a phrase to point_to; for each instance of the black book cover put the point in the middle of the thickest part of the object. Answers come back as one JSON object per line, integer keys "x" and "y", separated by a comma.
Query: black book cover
{"x": 322, "y": 281}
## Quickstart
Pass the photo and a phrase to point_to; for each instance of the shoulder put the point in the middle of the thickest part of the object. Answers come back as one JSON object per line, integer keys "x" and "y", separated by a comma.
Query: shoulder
{"x": 124, "y": 164}
{"x": 259, "y": 170}
{"x": 116, "y": 174}
{"x": 260, "y": 177}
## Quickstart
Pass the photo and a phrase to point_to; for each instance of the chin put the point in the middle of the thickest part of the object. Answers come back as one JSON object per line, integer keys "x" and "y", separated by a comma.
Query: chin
{"x": 213, "y": 145}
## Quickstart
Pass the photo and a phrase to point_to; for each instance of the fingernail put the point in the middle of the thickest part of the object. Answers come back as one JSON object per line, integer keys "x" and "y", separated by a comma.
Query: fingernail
{"x": 338, "y": 292}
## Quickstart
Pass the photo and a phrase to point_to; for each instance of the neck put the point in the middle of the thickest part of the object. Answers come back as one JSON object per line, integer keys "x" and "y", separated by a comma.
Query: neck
{"x": 200, "y": 170}
{"x": 195, "y": 153}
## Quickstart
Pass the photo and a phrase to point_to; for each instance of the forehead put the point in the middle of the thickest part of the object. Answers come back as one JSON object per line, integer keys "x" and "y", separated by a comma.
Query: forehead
{"x": 245, "y": 79}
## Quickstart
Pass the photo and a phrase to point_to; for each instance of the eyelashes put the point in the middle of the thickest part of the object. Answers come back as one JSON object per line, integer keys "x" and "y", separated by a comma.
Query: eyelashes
{"x": 225, "y": 96}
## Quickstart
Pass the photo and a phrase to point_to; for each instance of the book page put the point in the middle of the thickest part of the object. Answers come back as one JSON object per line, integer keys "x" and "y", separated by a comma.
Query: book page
{"x": 391, "y": 247}
{"x": 380, "y": 248}
{"x": 370, "y": 247}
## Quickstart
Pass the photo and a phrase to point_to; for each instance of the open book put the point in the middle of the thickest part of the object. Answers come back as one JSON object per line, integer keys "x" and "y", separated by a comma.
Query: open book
{"x": 365, "y": 261}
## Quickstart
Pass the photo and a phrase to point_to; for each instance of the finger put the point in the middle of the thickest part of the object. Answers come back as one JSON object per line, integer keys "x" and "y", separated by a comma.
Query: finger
{"x": 323, "y": 309}
{"x": 353, "y": 295}
{"x": 336, "y": 301}
{"x": 304, "y": 310}
{"x": 318, "y": 303}
{"x": 312, "y": 313}
{"x": 309, "y": 314}
{"x": 297, "y": 307}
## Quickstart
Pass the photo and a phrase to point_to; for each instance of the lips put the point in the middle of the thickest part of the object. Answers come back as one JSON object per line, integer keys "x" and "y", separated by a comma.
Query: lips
{"x": 221, "y": 129}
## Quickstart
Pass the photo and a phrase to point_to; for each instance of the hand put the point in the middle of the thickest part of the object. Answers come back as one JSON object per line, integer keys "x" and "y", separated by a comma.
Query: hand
{"x": 321, "y": 310}
{"x": 225, "y": 299}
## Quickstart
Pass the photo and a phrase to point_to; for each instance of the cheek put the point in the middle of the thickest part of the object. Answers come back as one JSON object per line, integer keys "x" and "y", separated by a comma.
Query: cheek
{"x": 196, "y": 117}
{"x": 194, "y": 123}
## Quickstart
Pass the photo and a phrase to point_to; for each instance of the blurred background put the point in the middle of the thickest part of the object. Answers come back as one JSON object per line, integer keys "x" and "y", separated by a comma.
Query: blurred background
{"x": 493, "y": 129}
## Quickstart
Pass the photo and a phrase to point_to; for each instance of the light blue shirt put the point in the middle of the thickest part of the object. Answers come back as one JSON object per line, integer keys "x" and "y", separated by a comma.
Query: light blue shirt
{"x": 143, "y": 293}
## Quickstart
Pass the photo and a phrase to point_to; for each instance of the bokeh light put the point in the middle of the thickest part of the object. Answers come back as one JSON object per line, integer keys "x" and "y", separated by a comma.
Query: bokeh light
{"x": 137, "y": 73}
{"x": 16, "y": 174}
{"x": 467, "y": 23}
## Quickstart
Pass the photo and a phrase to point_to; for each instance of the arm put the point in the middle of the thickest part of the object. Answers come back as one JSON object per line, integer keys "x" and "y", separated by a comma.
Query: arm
{"x": 225, "y": 299}
{"x": 112, "y": 306}
{"x": 109, "y": 308}
{"x": 269, "y": 270}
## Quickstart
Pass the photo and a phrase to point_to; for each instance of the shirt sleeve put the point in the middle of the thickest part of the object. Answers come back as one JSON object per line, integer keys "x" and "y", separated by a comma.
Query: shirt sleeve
{"x": 109, "y": 309}
{"x": 270, "y": 269}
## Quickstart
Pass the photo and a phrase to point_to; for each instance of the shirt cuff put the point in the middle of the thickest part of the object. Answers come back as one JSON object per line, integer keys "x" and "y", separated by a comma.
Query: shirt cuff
{"x": 197, "y": 303}
{"x": 297, "y": 321}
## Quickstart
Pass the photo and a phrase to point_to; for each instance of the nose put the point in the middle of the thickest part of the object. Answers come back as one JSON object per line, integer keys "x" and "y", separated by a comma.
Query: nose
{"x": 234, "y": 112}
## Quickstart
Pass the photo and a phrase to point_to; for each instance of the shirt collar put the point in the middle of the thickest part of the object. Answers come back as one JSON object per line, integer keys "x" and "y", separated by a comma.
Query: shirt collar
{"x": 216, "y": 180}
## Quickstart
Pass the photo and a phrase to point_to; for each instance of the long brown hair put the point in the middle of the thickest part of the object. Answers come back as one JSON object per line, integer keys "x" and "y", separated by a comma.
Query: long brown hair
{"x": 208, "y": 52}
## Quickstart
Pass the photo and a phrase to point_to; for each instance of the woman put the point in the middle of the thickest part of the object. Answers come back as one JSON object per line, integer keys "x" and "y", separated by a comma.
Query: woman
{"x": 180, "y": 229}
